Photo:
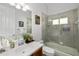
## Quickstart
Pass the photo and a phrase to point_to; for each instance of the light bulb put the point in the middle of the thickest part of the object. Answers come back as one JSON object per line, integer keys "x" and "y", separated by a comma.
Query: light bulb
{"x": 18, "y": 6}
{"x": 25, "y": 8}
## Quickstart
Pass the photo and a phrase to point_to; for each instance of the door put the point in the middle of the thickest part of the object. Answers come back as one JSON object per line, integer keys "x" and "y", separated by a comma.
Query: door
{"x": 61, "y": 31}
{"x": 53, "y": 30}
{"x": 66, "y": 32}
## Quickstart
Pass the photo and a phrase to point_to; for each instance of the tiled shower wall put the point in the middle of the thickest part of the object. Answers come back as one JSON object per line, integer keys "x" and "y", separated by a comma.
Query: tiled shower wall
{"x": 69, "y": 38}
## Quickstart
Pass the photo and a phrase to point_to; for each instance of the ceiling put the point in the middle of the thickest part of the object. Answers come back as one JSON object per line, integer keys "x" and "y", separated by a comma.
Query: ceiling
{"x": 54, "y": 8}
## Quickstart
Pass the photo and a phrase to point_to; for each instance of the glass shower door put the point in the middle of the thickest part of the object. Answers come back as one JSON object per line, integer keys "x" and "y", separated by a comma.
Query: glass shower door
{"x": 61, "y": 37}
{"x": 53, "y": 32}
{"x": 66, "y": 35}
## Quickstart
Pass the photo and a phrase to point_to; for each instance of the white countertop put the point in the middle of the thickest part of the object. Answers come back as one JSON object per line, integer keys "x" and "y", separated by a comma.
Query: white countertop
{"x": 23, "y": 50}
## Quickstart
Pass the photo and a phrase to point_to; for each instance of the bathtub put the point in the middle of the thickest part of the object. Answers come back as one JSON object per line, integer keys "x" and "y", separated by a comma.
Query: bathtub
{"x": 61, "y": 50}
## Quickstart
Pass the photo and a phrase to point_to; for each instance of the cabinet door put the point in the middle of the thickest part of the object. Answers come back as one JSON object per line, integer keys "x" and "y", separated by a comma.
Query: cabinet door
{"x": 38, "y": 52}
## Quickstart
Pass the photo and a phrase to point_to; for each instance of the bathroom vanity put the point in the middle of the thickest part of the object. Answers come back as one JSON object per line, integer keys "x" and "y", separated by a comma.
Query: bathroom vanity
{"x": 31, "y": 49}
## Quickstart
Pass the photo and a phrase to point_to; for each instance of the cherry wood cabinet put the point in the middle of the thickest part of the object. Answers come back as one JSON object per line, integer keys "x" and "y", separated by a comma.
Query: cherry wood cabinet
{"x": 38, "y": 52}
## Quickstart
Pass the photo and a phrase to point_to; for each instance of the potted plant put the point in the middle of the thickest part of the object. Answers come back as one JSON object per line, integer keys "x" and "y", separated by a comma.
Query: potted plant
{"x": 27, "y": 38}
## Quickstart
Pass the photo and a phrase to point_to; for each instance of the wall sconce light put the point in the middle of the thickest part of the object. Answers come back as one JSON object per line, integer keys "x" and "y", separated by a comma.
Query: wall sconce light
{"x": 22, "y": 6}
{"x": 25, "y": 8}
{"x": 18, "y": 6}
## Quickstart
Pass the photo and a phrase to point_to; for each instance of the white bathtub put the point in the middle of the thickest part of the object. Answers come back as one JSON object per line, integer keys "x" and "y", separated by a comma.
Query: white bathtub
{"x": 61, "y": 50}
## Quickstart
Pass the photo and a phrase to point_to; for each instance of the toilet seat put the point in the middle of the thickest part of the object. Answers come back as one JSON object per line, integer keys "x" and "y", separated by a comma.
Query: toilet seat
{"x": 48, "y": 51}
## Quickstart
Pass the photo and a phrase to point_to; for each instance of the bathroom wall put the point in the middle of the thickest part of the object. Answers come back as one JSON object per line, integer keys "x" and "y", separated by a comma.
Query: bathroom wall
{"x": 12, "y": 16}
{"x": 77, "y": 34}
{"x": 37, "y": 9}
{"x": 7, "y": 20}
{"x": 55, "y": 34}
{"x": 22, "y": 16}
{"x": 9, "y": 17}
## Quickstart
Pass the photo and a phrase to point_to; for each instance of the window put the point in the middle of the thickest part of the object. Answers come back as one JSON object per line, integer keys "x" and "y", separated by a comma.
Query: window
{"x": 64, "y": 20}
{"x": 59, "y": 21}
{"x": 55, "y": 22}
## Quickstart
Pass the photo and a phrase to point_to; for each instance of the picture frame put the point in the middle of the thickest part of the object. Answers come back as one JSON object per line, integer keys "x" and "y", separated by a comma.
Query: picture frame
{"x": 37, "y": 19}
{"x": 21, "y": 24}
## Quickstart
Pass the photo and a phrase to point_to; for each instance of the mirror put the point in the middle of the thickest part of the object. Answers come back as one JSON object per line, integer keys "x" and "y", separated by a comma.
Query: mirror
{"x": 23, "y": 21}
{"x": 14, "y": 21}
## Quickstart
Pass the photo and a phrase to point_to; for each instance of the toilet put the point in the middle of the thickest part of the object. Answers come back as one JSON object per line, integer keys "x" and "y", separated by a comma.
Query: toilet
{"x": 48, "y": 51}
